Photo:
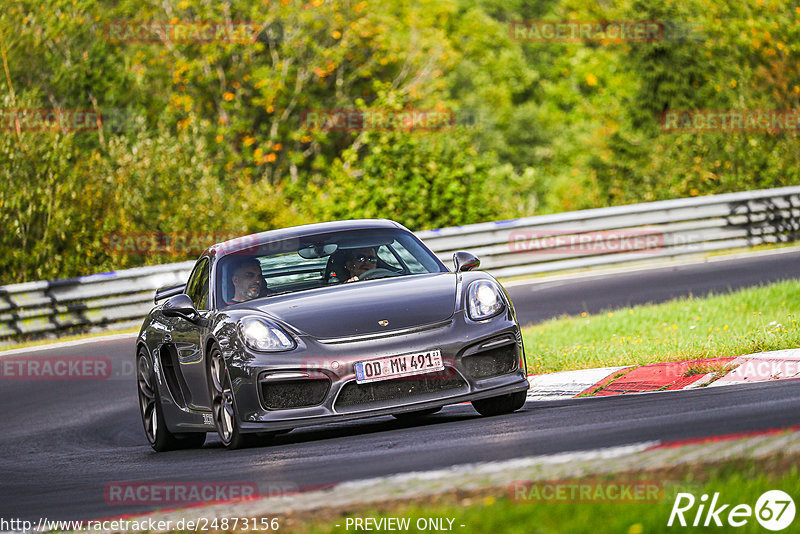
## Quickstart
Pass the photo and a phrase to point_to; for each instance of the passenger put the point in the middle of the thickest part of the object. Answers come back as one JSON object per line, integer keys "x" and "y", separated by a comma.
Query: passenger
{"x": 248, "y": 281}
{"x": 359, "y": 261}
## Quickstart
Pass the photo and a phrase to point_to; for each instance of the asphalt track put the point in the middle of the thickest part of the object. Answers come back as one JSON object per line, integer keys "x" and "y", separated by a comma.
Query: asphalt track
{"x": 63, "y": 442}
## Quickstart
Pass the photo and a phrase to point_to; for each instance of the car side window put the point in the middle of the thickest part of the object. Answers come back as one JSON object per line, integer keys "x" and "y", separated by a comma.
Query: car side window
{"x": 413, "y": 265}
{"x": 197, "y": 286}
{"x": 385, "y": 254}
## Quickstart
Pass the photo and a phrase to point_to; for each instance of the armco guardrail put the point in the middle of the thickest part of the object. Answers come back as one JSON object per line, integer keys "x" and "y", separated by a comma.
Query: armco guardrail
{"x": 545, "y": 243}
{"x": 119, "y": 298}
{"x": 620, "y": 234}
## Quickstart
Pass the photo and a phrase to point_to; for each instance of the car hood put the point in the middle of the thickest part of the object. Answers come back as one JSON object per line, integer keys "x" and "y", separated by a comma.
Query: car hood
{"x": 355, "y": 309}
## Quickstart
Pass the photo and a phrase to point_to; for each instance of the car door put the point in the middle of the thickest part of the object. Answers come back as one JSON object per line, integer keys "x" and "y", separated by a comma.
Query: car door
{"x": 188, "y": 337}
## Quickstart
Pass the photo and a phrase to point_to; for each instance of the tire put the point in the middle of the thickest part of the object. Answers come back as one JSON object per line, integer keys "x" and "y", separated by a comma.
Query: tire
{"x": 407, "y": 416}
{"x": 155, "y": 426}
{"x": 500, "y": 405}
{"x": 223, "y": 407}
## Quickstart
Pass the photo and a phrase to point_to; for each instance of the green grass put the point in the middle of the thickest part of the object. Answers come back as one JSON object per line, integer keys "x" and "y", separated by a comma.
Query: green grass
{"x": 494, "y": 511}
{"x": 746, "y": 321}
{"x": 705, "y": 368}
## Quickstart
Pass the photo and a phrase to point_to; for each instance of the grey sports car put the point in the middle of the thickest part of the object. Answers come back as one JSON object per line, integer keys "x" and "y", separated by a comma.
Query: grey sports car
{"x": 319, "y": 323}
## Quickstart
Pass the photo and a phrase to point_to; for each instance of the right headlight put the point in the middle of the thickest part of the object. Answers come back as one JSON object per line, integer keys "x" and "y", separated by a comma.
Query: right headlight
{"x": 263, "y": 335}
{"x": 483, "y": 300}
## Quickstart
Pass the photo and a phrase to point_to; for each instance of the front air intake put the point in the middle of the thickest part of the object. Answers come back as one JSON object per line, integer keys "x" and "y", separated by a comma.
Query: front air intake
{"x": 492, "y": 362}
{"x": 353, "y": 394}
{"x": 295, "y": 393}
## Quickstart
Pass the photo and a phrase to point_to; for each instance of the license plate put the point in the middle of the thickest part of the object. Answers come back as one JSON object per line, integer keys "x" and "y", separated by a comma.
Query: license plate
{"x": 415, "y": 363}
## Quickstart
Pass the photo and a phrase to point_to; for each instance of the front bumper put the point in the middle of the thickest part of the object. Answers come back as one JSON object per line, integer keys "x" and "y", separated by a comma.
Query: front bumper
{"x": 468, "y": 349}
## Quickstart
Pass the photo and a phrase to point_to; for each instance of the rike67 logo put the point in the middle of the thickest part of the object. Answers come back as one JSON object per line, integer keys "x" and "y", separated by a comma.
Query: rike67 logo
{"x": 774, "y": 510}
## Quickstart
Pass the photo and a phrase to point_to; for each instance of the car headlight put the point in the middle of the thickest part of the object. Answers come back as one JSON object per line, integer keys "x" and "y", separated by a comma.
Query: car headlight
{"x": 483, "y": 300}
{"x": 264, "y": 335}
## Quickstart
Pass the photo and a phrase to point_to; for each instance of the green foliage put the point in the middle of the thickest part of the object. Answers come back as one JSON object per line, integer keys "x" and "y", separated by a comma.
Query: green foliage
{"x": 214, "y": 137}
{"x": 42, "y": 207}
{"x": 717, "y": 56}
{"x": 422, "y": 181}
{"x": 426, "y": 178}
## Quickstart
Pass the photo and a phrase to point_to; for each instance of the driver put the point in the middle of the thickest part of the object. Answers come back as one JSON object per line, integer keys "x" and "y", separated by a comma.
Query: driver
{"x": 248, "y": 281}
{"x": 359, "y": 261}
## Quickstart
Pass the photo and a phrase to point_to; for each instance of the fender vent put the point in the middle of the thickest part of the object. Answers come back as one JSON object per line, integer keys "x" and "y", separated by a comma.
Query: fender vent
{"x": 175, "y": 383}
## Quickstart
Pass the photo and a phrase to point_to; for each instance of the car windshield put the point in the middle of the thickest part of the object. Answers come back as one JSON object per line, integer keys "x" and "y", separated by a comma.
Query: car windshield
{"x": 321, "y": 260}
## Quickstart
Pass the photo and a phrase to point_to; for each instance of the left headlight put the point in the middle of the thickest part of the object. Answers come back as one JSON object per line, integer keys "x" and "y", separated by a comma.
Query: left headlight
{"x": 483, "y": 300}
{"x": 264, "y": 335}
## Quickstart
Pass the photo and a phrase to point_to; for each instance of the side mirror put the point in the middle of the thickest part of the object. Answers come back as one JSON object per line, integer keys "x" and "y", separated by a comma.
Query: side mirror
{"x": 464, "y": 261}
{"x": 180, "y": 306}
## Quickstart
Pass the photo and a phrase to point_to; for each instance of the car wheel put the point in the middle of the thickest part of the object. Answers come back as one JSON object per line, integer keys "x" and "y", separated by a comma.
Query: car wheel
{"x": 222, "y": 405}
{"x": 500, "y": 405}
{"x": 405, "y": 416}
{"x": 155, "y": 426}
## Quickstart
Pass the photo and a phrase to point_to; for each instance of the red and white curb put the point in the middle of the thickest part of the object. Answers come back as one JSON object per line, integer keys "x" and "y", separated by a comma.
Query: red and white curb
{"x": 567, "y": 384}
{"x": 775, "y": 365}
{"x": 669, "y": 376}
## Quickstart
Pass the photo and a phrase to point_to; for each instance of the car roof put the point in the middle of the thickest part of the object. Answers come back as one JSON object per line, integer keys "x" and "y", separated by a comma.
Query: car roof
{"x": 253, "y": 240}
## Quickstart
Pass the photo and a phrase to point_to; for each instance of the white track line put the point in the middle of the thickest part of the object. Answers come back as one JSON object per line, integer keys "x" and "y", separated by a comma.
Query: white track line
{"x": 63, "y": 344}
